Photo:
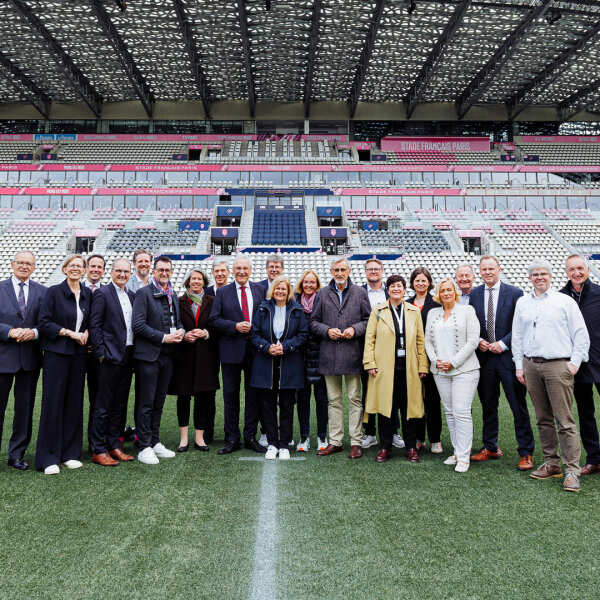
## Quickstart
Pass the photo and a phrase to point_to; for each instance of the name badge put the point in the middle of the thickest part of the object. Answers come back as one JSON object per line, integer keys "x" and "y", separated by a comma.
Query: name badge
{"x": 400, "y": 353}
{"x": 173, "y": 330}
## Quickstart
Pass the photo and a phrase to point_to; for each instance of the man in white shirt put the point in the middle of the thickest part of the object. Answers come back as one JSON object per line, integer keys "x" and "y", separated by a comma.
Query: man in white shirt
{"x": 465, "y": 277}
{"x": 549, "y": 343}
{"x": 111, "y": 332}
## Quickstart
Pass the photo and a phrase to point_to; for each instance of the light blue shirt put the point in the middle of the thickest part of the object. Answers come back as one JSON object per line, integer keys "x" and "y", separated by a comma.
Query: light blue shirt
{"x": 279, "y": 321}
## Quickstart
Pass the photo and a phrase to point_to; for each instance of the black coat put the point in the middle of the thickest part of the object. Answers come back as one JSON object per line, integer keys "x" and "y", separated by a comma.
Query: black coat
{"x": 311, "y": 355}
{"x": 589, "y": 304}
{"x": 427, "y": 306}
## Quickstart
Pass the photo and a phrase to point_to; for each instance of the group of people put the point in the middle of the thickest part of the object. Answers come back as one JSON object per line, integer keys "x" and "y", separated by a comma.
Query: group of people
{"x": 397, "y": 359}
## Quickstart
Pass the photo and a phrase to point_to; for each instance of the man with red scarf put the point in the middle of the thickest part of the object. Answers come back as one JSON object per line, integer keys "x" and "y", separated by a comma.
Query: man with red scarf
{"x": 157, "y": 328}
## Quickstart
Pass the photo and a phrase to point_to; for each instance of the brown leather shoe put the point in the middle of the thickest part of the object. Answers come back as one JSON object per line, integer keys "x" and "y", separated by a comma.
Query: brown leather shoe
{"x": 589, "y": 469}
{"x": 383, "y": 456}
{"x": 330, "y": 449}
{"x": 118, "y": 454}
{"x": 571, "y": 483}
{"x": 104, "y": 460}
{"x": 485, "y": 454}
{"x": 413, "y": 456}
{"x": 525, "y": 464}
{"x": 546, "y": 471}
{"x": 355, "y": 451}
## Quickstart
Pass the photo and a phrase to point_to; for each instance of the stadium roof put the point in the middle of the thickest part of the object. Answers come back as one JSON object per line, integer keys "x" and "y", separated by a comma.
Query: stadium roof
{"x": 401, "y": 53}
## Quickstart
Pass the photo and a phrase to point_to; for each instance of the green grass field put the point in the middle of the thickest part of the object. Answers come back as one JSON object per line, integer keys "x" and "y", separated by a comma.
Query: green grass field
{"x": 217, "y": 527}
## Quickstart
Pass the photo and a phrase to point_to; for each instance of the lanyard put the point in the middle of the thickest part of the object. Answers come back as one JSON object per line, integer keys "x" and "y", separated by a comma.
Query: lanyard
{"x": 400, "y": 321}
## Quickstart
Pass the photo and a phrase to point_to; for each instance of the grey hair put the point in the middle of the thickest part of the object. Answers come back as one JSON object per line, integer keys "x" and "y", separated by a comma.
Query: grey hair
{"x": 464, "y": 265}
{"x": 120, "y": 259}
{"x": 242, "y": 257}
{"x": 220, "y": 261}
{"x": 539, "y": 263}
{"x": 24, "y": 252}
{"x": 336, "y": 259}
{"x": 188, "y": 276}
{"x": 276, "y": 258}
{"x": 583, "y": 258}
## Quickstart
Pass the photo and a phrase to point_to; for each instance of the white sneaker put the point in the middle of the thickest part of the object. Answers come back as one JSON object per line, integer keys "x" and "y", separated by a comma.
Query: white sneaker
{"x": 284, "y": 454}
{"x": 148, "y": 457}
{"x": 368, "y": 441}
{"x": 322, "y": 443}
{"x": 303, "y": 445}
{"x": 291, "y": 443}
{"x": 52, "y": 470}
{"x": 272, "y": 452}
{"x": 397, "y": 441}
{"x": 163, "y": 452}
{"x": 263, "y": 440}
{"x": 72, "y": 464}
{"x": 451, "y": 460}
{"x": 436, "y": 448}
{"x": 461, "y": 466}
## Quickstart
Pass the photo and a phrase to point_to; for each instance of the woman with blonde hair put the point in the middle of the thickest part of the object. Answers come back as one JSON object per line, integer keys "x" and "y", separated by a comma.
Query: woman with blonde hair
{"x": 451, "y": 338}
{"x": 279, "y": 332}
{"x": 306, "y": 291}
{"x": 63, "y": 329}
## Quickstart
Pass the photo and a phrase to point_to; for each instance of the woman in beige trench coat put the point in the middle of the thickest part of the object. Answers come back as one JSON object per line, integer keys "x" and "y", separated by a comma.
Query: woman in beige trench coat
{"x": 396, "y": 360}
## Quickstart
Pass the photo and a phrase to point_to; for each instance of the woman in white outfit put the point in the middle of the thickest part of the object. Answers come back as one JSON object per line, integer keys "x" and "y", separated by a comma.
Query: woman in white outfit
{"x": 451, "y": 338}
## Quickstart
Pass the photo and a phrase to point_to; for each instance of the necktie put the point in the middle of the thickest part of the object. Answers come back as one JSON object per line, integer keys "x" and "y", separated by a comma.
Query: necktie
{"x": 93, "y": 287}
{"x": 490, "y": 317}
{"x": 22, "y": 305}
{"x": 245, "y": 310}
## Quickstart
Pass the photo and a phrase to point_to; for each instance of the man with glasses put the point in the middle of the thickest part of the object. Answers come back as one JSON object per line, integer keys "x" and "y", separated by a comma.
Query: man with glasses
{"x": 274, "y": 268}
{"x": 20, "y": 354}
{"x": 339, "y": 318}
{"x": 157, "y": 327}
{"x": 549, "y": 343}
{"x": 111, "y": 332}
{"x": 587, "y": 296}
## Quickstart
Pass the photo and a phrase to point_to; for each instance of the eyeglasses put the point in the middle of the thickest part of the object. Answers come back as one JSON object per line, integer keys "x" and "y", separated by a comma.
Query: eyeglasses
{"x": 340, "y": 270}
{"x": 78, "y": 267}
{"x": 542, "y": 274}
{"x": 164, "y": 270}
{"x": 22, "y": 263}
{"x": 374, "y": 270}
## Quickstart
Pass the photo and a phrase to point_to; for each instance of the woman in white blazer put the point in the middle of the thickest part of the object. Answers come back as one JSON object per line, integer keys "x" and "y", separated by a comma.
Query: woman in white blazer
{"x": 451, "y": 338}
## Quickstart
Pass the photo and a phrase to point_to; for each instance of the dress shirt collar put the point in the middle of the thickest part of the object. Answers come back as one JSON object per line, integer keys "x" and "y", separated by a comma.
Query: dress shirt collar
{"x": 496, "y": 286}
{"x": 16, "y": 282}
{"x": 547, "y": 293}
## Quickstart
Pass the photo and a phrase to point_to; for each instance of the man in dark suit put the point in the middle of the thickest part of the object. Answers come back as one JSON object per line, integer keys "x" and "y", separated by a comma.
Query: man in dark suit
{"x": 157, "y": 327}
{"x": 96, "y": 267}
{"x": 20, "y": 354}
{"x": 587, "y": 296}
{"x": 494, "y": 303}
{"x": 274, "y": 268}
{"x": 231, "y": 316}
{"x": 220, "y": 273}
{"x": 111, "y": 332}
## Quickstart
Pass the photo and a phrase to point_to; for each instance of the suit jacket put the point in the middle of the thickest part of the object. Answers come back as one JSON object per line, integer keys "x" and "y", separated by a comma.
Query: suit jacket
{"x": 25, "y": 355}
{"x": 225, "y": 313}
{"x": 505, "y": 310}
{"x": 60, "y": 310}
{"x": 108, "y": 332}
{"x": 211, "y": 290}
{"x": 148, "y": 324}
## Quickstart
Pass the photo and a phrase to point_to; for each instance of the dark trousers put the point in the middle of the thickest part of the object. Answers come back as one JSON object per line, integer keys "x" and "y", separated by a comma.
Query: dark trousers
{"x": 24, "y": 394}
{"x": 154, "y": 382}
{"x": 588, "y": 429}
{"x": 493, "y": 372}
{"x": 369, "y": 427}
{"x": 432, "y": 421}
{"x": 387, "y": 426}
{"x": 114, "y": 383}
{"x": 204, "y": 411}
{"x": 92, "y": 370}
{"x": 61, "y": 420}
{"x": 232, "y": 378}
{"x": 321, "y": 405}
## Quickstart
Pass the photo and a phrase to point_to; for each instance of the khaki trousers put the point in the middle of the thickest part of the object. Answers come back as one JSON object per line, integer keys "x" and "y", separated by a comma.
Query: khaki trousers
{"x": 336, "y": 409}
{"x": 550, "y": 386}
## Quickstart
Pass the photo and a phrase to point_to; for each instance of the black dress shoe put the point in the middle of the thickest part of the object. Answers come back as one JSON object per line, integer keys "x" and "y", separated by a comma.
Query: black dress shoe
{"x": 18, "y": 463}
{"x": 229, "y": 447}
{"x": 254, "y": 445}
{"x": 201, "y": 448}
{"x": 208, "y": 439}
{"x": 183, "y": 448}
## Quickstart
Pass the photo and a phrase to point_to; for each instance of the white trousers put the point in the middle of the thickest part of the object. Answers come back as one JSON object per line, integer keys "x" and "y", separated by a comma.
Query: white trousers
{"x": 456, "y": 393}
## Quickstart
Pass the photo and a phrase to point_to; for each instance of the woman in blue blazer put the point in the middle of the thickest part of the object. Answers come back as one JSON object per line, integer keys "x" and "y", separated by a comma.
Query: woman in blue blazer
{"x": 279, "y": 331}
{"x": 63, "y": 327}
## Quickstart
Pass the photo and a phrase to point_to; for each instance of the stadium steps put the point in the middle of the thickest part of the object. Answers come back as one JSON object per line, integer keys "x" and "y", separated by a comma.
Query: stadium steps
{"x": 245, "y": 237}
{"x": 312, "y": 228}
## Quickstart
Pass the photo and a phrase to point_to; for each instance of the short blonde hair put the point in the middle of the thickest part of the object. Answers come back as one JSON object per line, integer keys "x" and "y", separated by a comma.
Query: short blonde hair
{"x": 298, "y": 287}
{"x": 436, "y": 293}
{"x": 276, "y": 282}
{"x": 71, "y": 258}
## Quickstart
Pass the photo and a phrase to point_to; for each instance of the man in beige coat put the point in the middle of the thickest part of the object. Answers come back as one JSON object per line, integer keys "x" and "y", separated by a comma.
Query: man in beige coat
{"x": 395, "y": 358}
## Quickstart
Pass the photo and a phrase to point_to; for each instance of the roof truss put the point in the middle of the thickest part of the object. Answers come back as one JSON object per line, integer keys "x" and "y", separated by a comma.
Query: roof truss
{"x": 243, "y": 17}
{"x": 582, "y": 100}
{"x": 312, "y": 55}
